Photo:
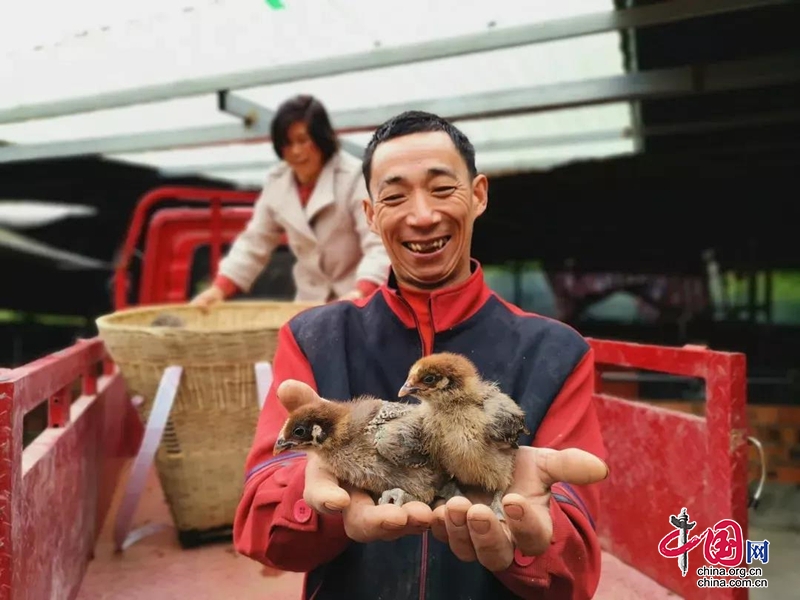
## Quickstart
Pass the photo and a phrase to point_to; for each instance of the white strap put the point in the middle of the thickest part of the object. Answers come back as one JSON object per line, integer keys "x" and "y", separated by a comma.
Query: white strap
{"x": 263, "y": 381}
{"x": 162, "y": 406}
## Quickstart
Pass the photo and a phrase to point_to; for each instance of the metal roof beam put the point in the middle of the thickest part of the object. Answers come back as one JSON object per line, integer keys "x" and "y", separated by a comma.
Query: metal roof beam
{"x": 252, "y": 113}
{"x": 259, "y": 117}
{"x": 491, "y": 166}
{"x": 189, "y": 170}
{"x": 665, "y": 83}
{"x": 495, "y": 39}
{"x": 133, "y": 142}
{"x": 522, "y": 143}
{"x": 661, "y": 83}
{"x": 526, "y": 143}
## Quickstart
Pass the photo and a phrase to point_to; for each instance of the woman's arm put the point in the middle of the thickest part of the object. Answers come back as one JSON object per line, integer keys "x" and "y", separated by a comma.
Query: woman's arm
{"x": 251, "y": 251}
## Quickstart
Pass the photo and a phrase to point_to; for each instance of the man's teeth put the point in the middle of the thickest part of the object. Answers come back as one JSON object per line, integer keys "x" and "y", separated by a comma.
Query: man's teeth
{"x": 427, "y": 246}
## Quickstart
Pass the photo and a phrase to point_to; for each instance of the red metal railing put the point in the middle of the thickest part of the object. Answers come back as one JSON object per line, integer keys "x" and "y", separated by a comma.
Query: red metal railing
{"x": 216, "y": 198}
{"x": 663, "y": 460}
{"x": 55, "y": 493}
{"x": 173, "y": 237}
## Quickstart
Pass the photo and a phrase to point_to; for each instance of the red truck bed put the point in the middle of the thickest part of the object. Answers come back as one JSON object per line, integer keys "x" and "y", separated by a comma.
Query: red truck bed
{"x": 57, "y": 495}
{"x": 59, "y": 492}
{"x": 157, "y": 567}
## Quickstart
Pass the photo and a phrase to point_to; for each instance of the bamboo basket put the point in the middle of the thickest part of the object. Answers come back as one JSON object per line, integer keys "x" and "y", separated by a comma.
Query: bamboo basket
{"x": 200, "y": 460}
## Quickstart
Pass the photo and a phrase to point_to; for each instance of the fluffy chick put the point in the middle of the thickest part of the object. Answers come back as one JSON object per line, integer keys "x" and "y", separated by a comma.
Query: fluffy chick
{"x": 167, "y": 320}
{"x": 371, "y": 444}
{"x": 469, "y": 425}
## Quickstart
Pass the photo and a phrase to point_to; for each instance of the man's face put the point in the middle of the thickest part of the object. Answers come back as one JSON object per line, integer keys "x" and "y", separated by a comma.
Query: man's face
{"x": 424, "y": 203}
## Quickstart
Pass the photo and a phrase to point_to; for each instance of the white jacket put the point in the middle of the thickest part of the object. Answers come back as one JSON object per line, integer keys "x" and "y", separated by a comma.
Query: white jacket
{"x": 330, "y": 238}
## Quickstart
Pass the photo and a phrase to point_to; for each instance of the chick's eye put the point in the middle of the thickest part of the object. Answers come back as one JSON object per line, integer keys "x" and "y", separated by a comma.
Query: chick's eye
{"x": 299, "y": 431}
{"x": 429, "y": 379}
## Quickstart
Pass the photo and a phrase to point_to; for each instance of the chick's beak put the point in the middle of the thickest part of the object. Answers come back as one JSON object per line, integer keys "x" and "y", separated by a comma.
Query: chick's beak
{"x": 408, "y": 388}
{"x": 281, "y": 445}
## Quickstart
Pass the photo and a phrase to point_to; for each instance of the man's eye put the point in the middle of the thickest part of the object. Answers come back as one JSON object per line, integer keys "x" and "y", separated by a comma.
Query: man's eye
{"x": 393, "y": 198}
{"x": 444, "y": 190}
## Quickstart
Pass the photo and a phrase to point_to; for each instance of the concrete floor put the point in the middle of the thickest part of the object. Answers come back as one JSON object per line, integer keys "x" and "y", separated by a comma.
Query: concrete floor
{"x": 156, "y": 568}
{"x": 777, "y": 519}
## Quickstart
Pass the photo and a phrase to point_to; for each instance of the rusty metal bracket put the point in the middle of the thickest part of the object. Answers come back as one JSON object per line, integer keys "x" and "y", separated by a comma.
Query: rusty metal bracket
{"x": 755, "y": 497}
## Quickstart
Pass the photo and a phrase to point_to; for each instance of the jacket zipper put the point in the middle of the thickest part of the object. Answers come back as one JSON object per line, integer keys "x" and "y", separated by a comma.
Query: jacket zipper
{"x": 423, "y": 568}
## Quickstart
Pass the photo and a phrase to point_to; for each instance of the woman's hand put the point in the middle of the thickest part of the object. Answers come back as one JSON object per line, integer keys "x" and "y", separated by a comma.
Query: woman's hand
{"x": 208, "y": 297}
{"x": 354, "y": 295}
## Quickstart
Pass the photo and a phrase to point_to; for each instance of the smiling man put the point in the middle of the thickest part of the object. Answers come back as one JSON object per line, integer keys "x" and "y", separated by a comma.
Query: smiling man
{"x": 425, "y": 195}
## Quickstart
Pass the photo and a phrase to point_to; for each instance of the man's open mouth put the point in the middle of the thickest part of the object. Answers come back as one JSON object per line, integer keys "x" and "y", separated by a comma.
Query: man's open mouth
{"x": 427, "y": 246}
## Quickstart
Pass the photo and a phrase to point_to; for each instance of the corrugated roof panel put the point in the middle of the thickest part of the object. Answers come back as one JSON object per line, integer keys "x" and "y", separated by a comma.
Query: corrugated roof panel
{"x": 539, "y": 64}
{"x": 171, "y": 42}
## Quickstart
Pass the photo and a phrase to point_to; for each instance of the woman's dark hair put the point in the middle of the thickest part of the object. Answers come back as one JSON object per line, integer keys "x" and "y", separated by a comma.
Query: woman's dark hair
{"x": 310, "y": 111}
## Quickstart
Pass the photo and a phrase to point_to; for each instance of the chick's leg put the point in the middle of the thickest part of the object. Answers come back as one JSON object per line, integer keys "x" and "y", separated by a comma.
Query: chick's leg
{"x": 497, "y": 506}
{"x": 449, "y": 490}
{"x": 396, "y": 496}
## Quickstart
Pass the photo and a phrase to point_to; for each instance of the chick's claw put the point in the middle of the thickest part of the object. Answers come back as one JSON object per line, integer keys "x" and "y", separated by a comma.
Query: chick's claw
{"x": 497, "y": 506}
{"x": 396, "y": 496}
{"x": 450, "y": 490}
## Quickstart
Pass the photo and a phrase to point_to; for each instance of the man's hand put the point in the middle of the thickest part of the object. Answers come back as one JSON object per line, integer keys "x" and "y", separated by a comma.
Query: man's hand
{"x": 475, "y": 533}
{"x": 364, "y": 521}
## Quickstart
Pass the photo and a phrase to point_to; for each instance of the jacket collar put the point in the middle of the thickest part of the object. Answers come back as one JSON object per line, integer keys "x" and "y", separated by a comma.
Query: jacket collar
{"x": 324, "y": 193}
{"x": 448, "y": 306}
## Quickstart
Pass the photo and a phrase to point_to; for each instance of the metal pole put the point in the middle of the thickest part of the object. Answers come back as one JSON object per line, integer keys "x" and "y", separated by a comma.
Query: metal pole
{"x": 548, "y": 141}
{"x": 133, "y": 142}
{"x": 664, "y": 83}
{"x": 495, "y": 39}
{"x": 524, "y": 143}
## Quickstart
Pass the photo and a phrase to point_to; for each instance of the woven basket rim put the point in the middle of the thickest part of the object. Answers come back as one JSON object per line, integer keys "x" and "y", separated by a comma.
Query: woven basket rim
{"x": 108, "y": 321}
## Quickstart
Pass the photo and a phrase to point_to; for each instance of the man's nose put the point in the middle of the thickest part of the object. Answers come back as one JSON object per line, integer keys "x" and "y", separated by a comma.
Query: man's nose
{"x": 423, "y": 213}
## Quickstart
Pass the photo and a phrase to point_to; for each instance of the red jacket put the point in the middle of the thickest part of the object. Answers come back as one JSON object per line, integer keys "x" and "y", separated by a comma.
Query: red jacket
{"x": 344, "y": 349}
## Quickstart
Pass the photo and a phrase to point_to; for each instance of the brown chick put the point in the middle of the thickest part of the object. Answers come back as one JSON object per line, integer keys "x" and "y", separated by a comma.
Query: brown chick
{"x": 167, "y": 320}
{"x": 469, "y": 425}
{"x": 371, "y": 444}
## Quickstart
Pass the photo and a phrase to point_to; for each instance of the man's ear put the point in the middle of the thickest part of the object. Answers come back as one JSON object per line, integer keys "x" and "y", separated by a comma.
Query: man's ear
{"x": 369, "y": 212}
{"x": 480, "y": 194}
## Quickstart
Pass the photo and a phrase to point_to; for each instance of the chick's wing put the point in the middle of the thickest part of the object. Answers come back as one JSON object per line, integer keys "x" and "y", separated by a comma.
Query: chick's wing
{"x": 397, "y": 433}
{"x": 506, "y": 419}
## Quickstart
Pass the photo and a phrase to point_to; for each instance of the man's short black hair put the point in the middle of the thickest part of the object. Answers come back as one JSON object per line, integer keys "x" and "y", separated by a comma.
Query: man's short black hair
{"x": 309, "y": 110}
{"x": 417, "y": 121}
